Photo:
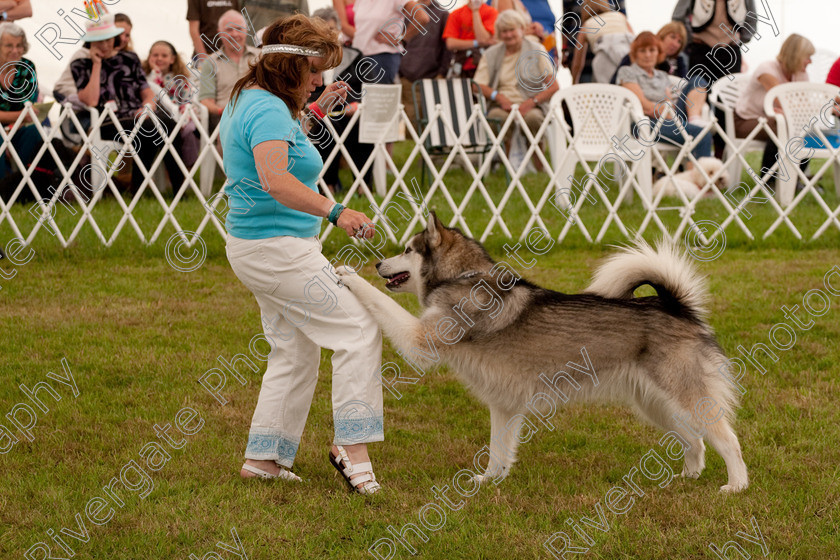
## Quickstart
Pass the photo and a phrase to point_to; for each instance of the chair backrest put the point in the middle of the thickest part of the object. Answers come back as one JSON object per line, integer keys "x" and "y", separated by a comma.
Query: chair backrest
{"x": 456, "y": 99}
{"x": 724, "y": 95}
{"x": 800, "y": 103}
{"x": 599, "y": 112}
{"x": 726, "y": 91}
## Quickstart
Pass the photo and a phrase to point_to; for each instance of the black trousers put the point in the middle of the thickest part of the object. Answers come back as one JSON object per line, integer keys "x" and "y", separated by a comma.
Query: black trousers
{"x": 148, "y": 143}
{"x": 719, "y": 62}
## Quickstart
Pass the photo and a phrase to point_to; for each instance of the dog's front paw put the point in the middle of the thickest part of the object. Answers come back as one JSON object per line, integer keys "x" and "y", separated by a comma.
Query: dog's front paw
{"x": 491, "y": 476}
{"x": 480, "y": 479}
{"x": 349, "y": 277}
{"x": 344, "y": 271}
{"x": 686, "y": 473}
{"x": 733, "y": 488}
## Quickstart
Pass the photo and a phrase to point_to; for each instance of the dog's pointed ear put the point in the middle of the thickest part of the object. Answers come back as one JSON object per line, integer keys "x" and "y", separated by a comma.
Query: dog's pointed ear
{"x": 433, "y": 229}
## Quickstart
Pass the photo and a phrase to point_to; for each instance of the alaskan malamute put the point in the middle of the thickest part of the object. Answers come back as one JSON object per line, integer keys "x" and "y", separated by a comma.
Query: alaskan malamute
{"x": 520, "y": 348}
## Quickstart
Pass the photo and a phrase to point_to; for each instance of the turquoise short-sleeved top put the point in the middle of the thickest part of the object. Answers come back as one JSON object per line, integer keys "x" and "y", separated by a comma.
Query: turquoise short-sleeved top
{"x": 258, "y": 116}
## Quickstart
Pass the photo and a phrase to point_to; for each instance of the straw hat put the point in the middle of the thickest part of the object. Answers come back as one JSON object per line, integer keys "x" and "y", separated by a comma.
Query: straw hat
{"x": 102, "y": 29}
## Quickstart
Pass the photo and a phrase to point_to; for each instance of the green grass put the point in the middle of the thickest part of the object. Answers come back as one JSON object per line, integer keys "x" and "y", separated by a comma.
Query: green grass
{"x": 137, "y": 335}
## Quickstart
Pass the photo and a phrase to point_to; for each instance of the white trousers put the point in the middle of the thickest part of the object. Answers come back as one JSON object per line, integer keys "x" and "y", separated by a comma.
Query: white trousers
{"x": 304, "y": 308}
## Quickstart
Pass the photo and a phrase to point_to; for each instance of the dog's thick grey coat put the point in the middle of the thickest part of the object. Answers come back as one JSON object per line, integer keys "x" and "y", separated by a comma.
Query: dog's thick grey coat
{"x": 521, "y": 348}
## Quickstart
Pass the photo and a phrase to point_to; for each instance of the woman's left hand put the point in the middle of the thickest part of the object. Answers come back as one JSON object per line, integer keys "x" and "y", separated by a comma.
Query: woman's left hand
{"x": 526, "y": 106}
{"x": 356, "y": 224}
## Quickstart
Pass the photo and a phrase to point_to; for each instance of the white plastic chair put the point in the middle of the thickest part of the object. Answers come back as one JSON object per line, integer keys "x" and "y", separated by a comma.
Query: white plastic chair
{"x": 800, "y": 102}
{"x": 724, "y": 95}
{"x": 599, "y": 113}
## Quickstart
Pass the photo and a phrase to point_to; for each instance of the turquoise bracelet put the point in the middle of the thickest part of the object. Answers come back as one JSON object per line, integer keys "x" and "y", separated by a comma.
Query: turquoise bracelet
{"x": 336, "y": 211}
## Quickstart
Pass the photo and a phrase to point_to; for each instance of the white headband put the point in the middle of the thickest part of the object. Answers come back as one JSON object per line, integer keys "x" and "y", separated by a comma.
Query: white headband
{"x": 290, "y": 49}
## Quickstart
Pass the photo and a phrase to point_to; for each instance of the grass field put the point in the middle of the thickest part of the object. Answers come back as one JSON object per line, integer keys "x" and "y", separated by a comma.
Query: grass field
{"x": 137, "y": 334}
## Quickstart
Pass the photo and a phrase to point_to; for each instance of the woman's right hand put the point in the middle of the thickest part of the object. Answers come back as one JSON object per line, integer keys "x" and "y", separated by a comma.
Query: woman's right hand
{"x": 352, "y": 222}
{"x": 95, "y": 56}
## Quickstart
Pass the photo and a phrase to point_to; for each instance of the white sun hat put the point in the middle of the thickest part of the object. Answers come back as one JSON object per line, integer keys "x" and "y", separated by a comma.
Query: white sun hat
{"x": 101, "y": 29}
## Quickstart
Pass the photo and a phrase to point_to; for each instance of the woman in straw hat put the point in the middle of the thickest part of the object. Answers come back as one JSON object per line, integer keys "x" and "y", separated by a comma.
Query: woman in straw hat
{"x": 274, "y": 217}
{"x": 108, "y": 74}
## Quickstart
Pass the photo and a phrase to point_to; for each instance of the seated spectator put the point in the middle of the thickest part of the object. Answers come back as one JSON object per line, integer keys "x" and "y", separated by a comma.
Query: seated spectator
{"x": 64, "y": 90}
{"x": 652, "y": 86}
{"x": 109, "y": 74}
{"x": 222, "y": 70}
{"x": 332, "y": 20}
{"x": 789, "y": 66}
{"x": 203, "y": 19}
{"x": 13, "y": 10}
{"x": 534, "y": 29}
{"x": 609, "y": 43}
{"x": 165, "y": 70}
{"x": 673, "y": 39}
{"x": 19, "y": 84}
{"x": 500, "y": 83}
{"x": 264, "y": 12}
{"x": 426, "y": 56}
{"x": 330, "y": 17}
{"x": 468, "y": 30}
{"x": 124, "y": 22}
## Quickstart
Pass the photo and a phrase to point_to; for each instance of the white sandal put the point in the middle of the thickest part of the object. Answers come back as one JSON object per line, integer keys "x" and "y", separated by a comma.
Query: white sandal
{"x": 284, "y": 474}
{"x": 367, "y": 479}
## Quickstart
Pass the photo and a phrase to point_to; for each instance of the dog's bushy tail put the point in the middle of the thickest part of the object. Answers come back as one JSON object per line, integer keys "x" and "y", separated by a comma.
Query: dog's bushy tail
{"x": 666, "y": 268}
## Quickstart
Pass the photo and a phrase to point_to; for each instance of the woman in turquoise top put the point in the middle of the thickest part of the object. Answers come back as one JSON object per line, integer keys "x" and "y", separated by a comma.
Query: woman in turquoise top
{"x": 274, "y": 217}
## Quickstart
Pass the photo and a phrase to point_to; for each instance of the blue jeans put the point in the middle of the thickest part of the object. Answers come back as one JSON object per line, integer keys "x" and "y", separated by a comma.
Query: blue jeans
{"x": 389, "y": 62}
{"x": 671, "y": 129}
{"x": 671, "y": 132}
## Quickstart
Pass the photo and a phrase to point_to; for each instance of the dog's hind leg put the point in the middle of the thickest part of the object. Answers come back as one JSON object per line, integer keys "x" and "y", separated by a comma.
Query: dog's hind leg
{"x": 722, "y": 437}
{"x": 658, "y": 412}
{"x": 504, "y": 442}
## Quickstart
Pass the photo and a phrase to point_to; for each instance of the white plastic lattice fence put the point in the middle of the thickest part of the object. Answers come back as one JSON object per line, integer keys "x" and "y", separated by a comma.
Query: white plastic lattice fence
{"x": 603, "y": 118}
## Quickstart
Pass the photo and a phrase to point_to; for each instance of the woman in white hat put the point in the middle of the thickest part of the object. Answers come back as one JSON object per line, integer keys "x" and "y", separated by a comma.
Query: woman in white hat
{"x": 108, "y": 74}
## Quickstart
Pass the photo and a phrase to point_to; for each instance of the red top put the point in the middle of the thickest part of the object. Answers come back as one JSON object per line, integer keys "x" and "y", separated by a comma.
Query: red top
{"x": 833, "y": 77}
{"x": 460, "y": 22}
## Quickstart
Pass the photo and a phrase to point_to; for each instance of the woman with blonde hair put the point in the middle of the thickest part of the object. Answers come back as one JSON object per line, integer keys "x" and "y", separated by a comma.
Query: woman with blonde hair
{"x": 789, "y": 66}
{"x": 673, "y": 38}
{"x": 274, "y": 217}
